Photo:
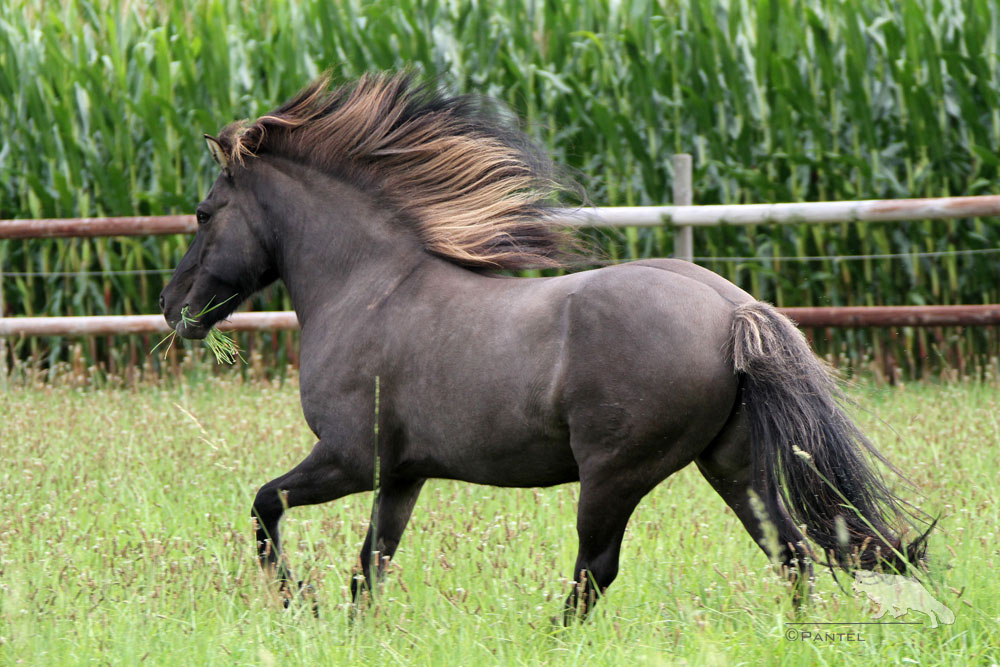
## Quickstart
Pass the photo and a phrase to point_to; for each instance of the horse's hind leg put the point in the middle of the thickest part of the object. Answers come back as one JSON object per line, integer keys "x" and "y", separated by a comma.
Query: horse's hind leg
{"x": 319, "y": 478}
{"x": 727, "y": 466}
{"x": 396, "y": 499}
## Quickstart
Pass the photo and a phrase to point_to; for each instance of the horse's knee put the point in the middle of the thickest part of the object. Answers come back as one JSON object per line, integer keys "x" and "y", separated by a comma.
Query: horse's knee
{"x": 267, "y": 505}
{"x": 266, "y": 512}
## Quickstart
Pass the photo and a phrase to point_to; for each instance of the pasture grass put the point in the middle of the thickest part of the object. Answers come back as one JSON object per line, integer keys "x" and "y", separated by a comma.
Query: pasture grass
{"x": 126, "y": 538}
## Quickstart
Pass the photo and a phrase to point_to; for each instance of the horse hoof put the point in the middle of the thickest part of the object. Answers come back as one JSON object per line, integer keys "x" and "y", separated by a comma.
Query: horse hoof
{"x": 307, "y": 592}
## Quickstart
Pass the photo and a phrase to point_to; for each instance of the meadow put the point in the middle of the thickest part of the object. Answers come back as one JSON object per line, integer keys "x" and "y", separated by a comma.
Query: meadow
{"x": 126, "y": 539}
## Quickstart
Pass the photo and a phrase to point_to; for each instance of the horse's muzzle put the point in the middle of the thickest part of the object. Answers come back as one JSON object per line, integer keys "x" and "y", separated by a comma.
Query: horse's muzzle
{"x": 190, "y": 330}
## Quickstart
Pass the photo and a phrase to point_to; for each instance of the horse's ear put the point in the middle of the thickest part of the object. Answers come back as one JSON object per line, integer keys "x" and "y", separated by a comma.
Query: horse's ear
{"x": 215, "y": 148}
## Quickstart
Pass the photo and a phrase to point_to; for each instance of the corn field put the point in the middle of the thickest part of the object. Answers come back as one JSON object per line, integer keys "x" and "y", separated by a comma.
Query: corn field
{"x": 103, "y": 104}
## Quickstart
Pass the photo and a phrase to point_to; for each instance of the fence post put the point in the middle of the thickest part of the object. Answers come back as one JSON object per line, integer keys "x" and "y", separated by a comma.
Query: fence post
{"x": 683, "y": 239}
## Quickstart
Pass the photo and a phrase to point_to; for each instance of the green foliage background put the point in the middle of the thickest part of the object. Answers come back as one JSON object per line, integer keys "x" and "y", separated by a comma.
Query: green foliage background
{"x": 102, "y": 106}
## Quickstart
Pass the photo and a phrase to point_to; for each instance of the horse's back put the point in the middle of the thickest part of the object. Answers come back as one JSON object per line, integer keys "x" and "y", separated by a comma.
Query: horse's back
{"x": 682, "y": 272}
{"x": 651, "y": 313}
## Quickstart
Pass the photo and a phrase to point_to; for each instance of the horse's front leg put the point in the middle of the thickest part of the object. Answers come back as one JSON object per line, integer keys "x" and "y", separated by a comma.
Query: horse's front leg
{"x": 394, "y": 505}
{"x": 321, "y": 477}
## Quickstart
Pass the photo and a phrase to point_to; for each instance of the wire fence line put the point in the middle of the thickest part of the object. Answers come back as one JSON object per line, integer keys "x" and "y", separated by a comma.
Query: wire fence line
{"x": 84, "y": 274}
{"x": 757, "y": 258}
{"x": 842, "y": 258}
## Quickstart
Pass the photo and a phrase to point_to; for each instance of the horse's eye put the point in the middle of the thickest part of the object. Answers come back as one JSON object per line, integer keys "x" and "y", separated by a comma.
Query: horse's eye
{"x": 201, "y": 216}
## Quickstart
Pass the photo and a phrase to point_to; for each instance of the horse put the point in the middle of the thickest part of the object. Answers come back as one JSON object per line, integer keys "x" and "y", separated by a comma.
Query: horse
{"x": 395, "y": 213}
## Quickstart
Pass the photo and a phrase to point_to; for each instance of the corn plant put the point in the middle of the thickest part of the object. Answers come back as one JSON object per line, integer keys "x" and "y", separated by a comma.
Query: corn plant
{"x": 102, "y": 104}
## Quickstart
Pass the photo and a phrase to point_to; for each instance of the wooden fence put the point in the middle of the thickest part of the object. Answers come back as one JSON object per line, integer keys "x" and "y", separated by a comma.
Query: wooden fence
{"x": 833, "y": 316}
{"x": 682, "y": 215}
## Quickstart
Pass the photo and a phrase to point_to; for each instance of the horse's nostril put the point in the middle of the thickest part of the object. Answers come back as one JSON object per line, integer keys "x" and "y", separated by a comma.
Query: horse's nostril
{"x": 163, "y": 303}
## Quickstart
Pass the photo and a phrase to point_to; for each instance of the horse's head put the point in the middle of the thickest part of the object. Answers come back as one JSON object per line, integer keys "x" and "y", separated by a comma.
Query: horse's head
{"x": 226, "y": 262}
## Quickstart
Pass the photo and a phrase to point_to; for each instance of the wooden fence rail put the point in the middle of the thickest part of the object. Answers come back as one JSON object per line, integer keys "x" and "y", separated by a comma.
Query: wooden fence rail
{"x": 875, "y": 210}
{"x": 861, "y": 316}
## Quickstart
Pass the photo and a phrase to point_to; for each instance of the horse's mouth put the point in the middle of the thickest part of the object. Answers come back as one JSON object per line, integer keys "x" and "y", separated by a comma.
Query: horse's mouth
{"x": 190, "y": 331}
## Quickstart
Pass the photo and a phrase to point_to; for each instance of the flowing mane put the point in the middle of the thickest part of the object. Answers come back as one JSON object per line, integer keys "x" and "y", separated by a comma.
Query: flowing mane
{"x": 474, "y": 186}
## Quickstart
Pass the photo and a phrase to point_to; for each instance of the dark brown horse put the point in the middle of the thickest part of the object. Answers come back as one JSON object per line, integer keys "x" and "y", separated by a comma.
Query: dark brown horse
{"x": 384, "y": 206}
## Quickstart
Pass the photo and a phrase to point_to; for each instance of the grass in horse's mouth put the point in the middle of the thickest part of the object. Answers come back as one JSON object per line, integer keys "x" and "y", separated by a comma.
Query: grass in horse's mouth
{"x": 221, "y": 345}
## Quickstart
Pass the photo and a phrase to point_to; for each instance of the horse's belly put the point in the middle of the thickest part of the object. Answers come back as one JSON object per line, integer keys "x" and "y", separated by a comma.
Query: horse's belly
{"x": 495, "y": 461}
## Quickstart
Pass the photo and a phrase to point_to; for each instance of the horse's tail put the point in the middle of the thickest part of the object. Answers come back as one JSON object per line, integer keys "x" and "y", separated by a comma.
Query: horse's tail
{"x": 807, "y": 453}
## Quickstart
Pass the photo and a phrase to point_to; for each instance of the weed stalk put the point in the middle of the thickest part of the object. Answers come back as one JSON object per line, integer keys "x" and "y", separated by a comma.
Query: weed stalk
{"x": 373, "y": 562}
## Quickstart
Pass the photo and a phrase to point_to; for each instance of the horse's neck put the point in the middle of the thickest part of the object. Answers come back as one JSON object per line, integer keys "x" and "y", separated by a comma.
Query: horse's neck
{"x": 335, "y": 244}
